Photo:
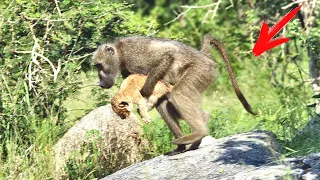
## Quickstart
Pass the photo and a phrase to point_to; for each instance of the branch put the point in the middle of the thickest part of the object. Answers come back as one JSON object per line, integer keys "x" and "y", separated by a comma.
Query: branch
{"x": 214, "y": 11}
{"x": 59, "y": 12}
{"x": 231, "y": 4}
{"x": 81, "y": 57}
{"x": 33, "y": 57}
{"x": 55, "y": 73}
{"x": 40, "y": 55}
{"x": 2, "y": 15}
{"x": 291, "y": 4}
{"x": 55, "y": 70}
{"x": 44, "y": 19}
{"x": 199, "y": 7}
{"x": 181, "y": 14}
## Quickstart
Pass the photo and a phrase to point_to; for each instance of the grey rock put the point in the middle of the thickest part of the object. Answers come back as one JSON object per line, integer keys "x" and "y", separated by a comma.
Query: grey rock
{"x": 312, "y": 163}
{"x": 114, "y": 136}
{"x": 246, "y": 156}
{"x": 233, "y": 157}
{"x": 312, "y": 127}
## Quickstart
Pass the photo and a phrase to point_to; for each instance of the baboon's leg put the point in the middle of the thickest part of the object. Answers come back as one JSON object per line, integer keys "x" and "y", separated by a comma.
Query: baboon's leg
{"x": 193, "y": 116}
{"x": 206, "y": 117}
{"x": 186, "y": 98}
{"x": 170, "y": 116}
{"x": 195, "y": 145}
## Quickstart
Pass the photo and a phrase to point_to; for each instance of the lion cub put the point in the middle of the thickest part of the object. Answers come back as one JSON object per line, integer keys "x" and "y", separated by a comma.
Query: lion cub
{"x": 129, "y": 94}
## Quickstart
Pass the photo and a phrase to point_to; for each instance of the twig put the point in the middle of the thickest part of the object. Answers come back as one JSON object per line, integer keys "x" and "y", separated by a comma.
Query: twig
{"x": 295, "y": 2}
{"x": 59, "y": 12}
{"x": 231, "y": 4}
{"x": 214, "y": 11}
{"x": 199, "y": 7}
{"x": 44, "y": 19}
{"x": 7, "y": 8}
{"x": 33, "y": 56}
{"x": 48, "y": 28}
{"x": 81, "y": 57}
{"x": 41, "y": 56}
{"x": 33, "y": 59}
{"x": 181, "y": 14}
{"x": 149, "y": 29}
{"x": 55, "y": 70}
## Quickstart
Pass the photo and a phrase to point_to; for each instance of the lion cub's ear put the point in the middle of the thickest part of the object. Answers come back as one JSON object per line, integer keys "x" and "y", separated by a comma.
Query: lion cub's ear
{"x": 123, "y": 104}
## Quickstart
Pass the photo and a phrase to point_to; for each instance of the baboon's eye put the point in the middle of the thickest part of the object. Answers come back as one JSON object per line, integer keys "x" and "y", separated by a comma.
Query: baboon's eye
{"x": 123, "y": 104}
{"x": 98, "y": 66}
{"x": 110, "y": 50}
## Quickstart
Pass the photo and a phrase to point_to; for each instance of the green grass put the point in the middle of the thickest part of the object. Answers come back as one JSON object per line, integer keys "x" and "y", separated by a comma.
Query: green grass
{"x": 306, "y": 142}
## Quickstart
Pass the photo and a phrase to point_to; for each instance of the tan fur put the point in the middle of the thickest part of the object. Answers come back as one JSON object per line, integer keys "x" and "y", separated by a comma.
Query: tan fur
{"x": 129, "y": 94}
{"x": 156, "y": 46}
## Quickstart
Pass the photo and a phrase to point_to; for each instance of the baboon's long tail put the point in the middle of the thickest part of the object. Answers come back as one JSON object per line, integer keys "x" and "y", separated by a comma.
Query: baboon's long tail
{"x": 218, "y": 45}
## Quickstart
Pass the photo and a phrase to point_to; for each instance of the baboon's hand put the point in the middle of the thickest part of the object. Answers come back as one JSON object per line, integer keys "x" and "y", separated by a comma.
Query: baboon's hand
{"x": 146, "y": 91}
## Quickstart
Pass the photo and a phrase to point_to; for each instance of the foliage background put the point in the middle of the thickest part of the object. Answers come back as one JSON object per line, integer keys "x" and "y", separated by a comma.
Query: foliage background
{"x": 47, "y": 81}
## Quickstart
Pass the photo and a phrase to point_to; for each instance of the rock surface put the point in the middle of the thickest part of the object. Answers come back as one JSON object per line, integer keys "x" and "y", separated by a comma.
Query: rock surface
{"x": 246, "y": 156}
{"x": 113, "y": 136}
{"x": 312, "y": 127}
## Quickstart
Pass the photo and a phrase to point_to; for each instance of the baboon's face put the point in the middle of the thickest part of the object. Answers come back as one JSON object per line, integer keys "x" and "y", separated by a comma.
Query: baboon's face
{"x": 106, "y": 76}
{"x": 107, "y": 64}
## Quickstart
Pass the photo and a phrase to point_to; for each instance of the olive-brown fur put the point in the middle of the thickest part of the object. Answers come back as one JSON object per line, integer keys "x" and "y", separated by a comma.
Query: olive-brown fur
{"x": 187, "y": 69}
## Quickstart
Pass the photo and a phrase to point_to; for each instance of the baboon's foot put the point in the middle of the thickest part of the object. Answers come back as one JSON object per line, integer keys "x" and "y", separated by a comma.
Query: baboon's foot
{"x": 191, "y": 138}
{"x": 180, "y": 149}
{"x": 195, "y": 145}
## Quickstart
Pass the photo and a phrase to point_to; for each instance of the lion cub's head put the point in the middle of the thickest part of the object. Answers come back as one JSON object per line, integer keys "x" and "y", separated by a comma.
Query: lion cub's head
{"x": 122, "y": 106}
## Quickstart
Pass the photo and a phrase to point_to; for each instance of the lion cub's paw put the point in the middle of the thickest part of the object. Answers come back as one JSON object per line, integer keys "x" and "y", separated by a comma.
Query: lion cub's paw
{"x": 149, "y": 106}
{"x": 146, "y": 119}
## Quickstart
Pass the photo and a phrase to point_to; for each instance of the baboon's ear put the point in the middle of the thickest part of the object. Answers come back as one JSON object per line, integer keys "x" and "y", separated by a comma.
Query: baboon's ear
{"x": 109, "y": 50}
{"x": 123, "y": 104}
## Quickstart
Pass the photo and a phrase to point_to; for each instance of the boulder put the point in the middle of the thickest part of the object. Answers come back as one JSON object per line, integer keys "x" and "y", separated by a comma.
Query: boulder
{"x": 116, "y": 140}
{"x": 312, "y": 128}
{"x": 246, "y": 156}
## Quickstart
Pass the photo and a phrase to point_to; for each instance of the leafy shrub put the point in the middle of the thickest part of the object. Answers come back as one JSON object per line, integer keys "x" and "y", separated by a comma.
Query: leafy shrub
{"x": 44, "y": 46}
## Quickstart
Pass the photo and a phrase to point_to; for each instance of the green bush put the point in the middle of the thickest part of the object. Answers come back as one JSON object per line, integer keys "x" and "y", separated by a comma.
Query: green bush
{"x": 44, "y": 46}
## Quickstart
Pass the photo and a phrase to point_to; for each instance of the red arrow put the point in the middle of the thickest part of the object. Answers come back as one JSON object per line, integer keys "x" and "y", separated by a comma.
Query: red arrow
{"x": 265, "y": 42}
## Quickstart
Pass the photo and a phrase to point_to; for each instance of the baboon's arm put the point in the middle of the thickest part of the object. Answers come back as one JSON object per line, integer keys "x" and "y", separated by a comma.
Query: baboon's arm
{"x": 156, "y": 74}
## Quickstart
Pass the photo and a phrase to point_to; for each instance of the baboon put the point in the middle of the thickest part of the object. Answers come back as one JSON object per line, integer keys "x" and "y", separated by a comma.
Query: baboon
{"x": 187, "y": 69}
{"x": 129, "y": 94}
